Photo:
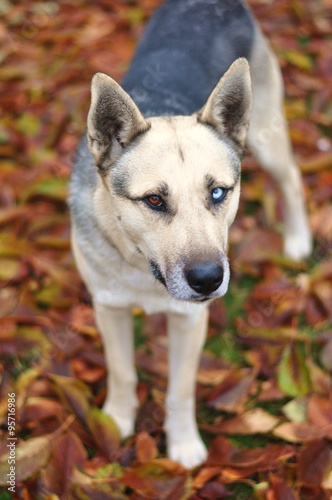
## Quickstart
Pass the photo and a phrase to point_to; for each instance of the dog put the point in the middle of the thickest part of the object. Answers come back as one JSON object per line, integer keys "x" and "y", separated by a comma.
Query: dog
{"x": 156, "y": 186}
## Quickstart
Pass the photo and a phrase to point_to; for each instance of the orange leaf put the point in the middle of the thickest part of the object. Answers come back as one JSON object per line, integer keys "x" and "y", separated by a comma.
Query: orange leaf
{"x": 146, "y": 448}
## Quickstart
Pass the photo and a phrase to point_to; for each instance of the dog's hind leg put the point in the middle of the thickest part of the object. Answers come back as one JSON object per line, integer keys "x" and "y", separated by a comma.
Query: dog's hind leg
{"x": 186, "y": 335}
{"x": 116, "y": 328}
{"x": 268, "y": 139}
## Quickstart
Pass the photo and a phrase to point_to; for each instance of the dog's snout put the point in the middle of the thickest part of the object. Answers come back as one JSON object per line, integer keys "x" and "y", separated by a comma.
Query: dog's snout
{"x": 205, "y": 277}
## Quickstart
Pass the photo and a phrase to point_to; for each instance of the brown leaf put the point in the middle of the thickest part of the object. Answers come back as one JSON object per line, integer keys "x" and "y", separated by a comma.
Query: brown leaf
{"x": 86, "y": 488}
{"x": 213, "y": 489}
{"x": 315, "y": 461}
{"x": 279, "y": 489}
{"x": 320, "y": 379}
{"x": 255, "y": 421}
{"x": 30, "y": 457}
{"x": 160, "y": 478}
{"x": 320, "y": 413}
{"x": 204, "y": 475}
{"x": 67, "y": 452}
{"x": 321, "y": 224}
{"x": 326, "y": 354}
{"x": 146, "y": 448}
{"x": 258, "y": 246}
{"x": 299, "y": 432}
{"x": 37, "y": 409}
{"x": 232, "y": 393}
{"x": 223, "y": 453}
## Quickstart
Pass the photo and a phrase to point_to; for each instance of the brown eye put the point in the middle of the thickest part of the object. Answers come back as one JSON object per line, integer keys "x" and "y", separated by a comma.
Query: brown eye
{"x": 155, "y": 201}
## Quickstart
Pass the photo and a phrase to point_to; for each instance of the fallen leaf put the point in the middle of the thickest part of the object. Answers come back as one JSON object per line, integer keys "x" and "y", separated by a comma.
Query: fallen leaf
{"x": 74, "y": 393}
{"x": 204, "y": 475}
{"x": 298, "y": 432}
{"x": 146, "y": 448}
{"x": 293, "y": 374}
{"x": 279, "y": 489}
{"x": 105, "y": 433}
{"x": 320, "y": 413}
{"x": 315, "y": 462}
{"x": 30, "y": 457}
{"x": 213, "y": 489}
{"x": 232, "y": 393}
{"x": 83, "y": 487}
{"x": 67, "y": 452}
{"x": 255, "y": 421}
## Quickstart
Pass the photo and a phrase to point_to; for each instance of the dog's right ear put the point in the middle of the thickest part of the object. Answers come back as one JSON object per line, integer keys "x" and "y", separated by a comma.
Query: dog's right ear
{"x": 114, "y": 121}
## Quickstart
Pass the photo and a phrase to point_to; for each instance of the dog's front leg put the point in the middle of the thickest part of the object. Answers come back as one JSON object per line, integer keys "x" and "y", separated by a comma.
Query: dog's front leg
{"x": 186, "y": 338}
{"x": 116, "y": 329}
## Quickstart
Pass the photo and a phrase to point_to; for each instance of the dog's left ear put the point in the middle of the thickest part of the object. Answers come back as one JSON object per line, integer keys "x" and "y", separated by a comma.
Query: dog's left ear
{"x": 114, "y": 121}
{"x": 229, "y": 105}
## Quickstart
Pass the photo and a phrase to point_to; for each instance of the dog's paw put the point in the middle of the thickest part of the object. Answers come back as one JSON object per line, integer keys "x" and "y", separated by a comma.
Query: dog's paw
{"x": 188, "y": 453}
{"x": 298, "y": 245}
{"x": 125, "y": 424}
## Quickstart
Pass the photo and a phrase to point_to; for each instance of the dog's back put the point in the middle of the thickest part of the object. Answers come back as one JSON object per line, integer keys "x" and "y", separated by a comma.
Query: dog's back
{"x": 186, "y": 48}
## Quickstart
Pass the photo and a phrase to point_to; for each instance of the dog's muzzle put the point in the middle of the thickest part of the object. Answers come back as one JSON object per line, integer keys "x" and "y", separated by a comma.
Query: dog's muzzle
{"x": 196, "y": 280}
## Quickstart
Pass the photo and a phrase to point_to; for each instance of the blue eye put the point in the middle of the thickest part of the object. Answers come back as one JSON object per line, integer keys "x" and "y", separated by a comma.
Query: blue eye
{"x": 218, "y": 194}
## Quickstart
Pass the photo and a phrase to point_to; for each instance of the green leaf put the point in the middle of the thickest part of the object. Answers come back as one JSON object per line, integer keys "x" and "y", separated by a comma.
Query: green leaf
{"x": 86, "y": 488}
{"x": 296, "y": 410}
{"x": 109, "y": 470}
{"x": 293, "y": 374}
{"x": 299, "y": 59}
{"x": 52, "y": 296}
{"x": 10, "y": 246}
{"x": 55, "y": 189}
{"x": 105, "y": 433}
{"x": 9, "y": 269}
{"x": 74, "y": 393}
{"x": 28, "y": 124}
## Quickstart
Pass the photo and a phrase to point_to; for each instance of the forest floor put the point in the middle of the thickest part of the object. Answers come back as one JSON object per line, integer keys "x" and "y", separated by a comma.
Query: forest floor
{"x": 264, "y": 401}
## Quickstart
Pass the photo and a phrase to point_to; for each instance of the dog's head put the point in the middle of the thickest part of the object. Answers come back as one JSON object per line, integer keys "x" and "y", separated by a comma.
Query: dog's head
{"x": 173, "y": 183}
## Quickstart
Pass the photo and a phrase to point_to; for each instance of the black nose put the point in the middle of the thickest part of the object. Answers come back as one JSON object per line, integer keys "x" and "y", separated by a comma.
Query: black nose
{"x": 205, "y": 277}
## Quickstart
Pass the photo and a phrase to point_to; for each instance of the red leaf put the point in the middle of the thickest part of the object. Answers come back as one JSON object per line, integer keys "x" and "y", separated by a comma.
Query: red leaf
{"x": 279, "y": 489}
{"x": 315, "y": 461}
{"x": 214, "y": 489}
{"x": 37, "y": 409}
{"x": 204, "y": 475}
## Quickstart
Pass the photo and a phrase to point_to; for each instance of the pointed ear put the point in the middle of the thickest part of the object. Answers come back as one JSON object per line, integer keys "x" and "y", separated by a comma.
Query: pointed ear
{"x": 114, "y": 121}
{"x": 229, "y": 105}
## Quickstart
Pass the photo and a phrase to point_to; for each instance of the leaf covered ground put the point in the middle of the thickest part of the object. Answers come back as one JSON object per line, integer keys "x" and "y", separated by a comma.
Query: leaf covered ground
{"x": 264, "y": 400}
